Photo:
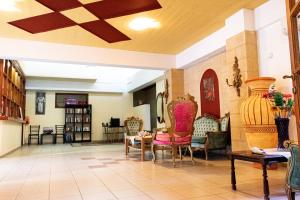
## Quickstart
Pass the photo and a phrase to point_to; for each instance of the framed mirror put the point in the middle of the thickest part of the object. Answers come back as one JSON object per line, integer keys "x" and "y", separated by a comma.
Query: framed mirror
{"x": 160, "y": 107}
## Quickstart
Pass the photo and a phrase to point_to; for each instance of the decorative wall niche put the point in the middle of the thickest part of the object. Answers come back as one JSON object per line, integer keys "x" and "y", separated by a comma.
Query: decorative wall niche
{"x": 209, "y": 93}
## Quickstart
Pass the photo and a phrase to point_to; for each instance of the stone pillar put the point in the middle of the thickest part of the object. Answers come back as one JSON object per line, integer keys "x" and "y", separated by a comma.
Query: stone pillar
{"x": 175, "y": 79}
{"x": 244, "y": 47}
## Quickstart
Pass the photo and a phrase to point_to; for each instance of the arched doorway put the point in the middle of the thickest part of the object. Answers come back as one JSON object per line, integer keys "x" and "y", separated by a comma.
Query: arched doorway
{"x": 209, "y": 93}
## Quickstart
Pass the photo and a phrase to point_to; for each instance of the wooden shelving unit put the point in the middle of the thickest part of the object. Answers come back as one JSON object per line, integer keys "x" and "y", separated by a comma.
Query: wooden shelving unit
{"x": 12, "y": 91}
{"x": 78, "y": 122}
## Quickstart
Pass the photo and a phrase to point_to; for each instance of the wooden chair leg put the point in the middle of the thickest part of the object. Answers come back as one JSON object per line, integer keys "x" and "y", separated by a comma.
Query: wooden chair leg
{"x": 126, "y": 147}
{"x": 191, "y": 152}
{"x": 206, "y": 153}
{"x": 153, "y": 153}
{"x": 180, "y": 153}
{"x": 29, "y": 140}
{"x": 290, "y": 194}
{"x": 174, "y": 155}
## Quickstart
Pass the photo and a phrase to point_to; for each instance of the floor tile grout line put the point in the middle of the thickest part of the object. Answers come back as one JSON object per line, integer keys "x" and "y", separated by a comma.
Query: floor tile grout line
{"x": 27, "y": 175}
{"x": 104, "y": 183}
{"x": 76, "y": 182}
{"x": 133, "y": 185}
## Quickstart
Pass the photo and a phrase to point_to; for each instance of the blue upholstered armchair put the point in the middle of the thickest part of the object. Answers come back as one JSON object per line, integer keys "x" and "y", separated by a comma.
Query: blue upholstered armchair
{"x": 210, "y": 133}
{"x": 293, "y": 171}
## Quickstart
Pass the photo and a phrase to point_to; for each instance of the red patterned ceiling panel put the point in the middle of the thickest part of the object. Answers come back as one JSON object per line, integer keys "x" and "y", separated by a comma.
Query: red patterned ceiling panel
{"x": 104, "y": 9}
{"x": 115, "y": 8}
{"x": 105, "y": 31}
{"x": 43, "y": 23}
{"x": 60, "y": 5}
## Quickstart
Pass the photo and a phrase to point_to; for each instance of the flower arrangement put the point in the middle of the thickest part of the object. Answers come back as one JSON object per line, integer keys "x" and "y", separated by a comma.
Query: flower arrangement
{"x": 282, "y": 103}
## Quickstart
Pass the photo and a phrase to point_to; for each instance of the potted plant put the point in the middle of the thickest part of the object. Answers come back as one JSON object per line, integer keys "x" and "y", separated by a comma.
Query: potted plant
{"x": 282, "y": 108}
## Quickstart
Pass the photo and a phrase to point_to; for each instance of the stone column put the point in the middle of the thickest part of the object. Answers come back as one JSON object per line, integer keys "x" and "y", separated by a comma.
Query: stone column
{"x": 175, "y": 79}
{"x": 244, "y": 47}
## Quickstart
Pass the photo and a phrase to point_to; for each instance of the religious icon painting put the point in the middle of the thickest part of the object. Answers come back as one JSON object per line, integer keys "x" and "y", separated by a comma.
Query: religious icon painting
{"x": 40, "y": 103}
{"x": 209, "y": 90}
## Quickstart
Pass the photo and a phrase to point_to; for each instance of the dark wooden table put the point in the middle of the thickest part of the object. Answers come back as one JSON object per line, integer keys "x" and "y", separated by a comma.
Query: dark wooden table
{"x": 264, "y": 160}
{"x": 47, "y": 134}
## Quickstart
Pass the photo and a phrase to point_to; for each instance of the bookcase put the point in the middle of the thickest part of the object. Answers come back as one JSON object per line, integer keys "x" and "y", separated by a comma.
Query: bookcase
{"x": 78, "y": 122}
{"x": 12, "y": 90}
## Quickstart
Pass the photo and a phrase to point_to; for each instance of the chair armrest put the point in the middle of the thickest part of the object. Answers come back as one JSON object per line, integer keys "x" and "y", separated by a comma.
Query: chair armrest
{"x": 217, "y": 140}
{"x": 199, "y": 139}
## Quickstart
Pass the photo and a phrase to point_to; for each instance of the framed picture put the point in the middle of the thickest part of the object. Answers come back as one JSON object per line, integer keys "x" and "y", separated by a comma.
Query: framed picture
{"x": 62, "y": 99}
{"x": 40, "y": 103}
{"x": 209, "y": 90}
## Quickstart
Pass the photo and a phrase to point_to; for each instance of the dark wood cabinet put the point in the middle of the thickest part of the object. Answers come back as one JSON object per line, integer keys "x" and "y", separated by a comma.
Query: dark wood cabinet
{"x": 78, "y": 122}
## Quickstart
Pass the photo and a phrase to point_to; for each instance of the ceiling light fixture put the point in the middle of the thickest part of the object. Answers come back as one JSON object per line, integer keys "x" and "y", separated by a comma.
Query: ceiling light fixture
{"x": 143, "y": 23}
{"x": 9, "y": 5}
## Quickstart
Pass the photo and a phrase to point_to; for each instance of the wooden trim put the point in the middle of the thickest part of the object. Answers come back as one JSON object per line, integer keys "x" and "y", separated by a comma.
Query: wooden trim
{"x": 295, "y": 9}
{"x": 5, "y": 118}
{"x": 292, "y": 10}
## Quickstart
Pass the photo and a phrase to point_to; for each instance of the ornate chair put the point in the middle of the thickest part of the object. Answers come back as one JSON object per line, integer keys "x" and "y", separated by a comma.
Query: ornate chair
{"x": 293, "y": 171}
{"x": 132, "y": 125}
{"x": 182, "y": 113}
{"x": 208, "y": 135}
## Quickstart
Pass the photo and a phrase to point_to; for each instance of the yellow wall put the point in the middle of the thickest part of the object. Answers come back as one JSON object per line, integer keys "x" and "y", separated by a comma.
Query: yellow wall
{"x": 104, "y": 106}
{"x": 10, "y": 136}
{"x": 193, "y": 75}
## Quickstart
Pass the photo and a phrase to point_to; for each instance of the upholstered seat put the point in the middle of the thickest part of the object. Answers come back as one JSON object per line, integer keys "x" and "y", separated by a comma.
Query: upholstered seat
{"x": 182, "y": 113}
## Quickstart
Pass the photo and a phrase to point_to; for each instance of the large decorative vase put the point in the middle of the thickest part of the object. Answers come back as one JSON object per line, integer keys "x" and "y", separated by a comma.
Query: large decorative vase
{"x": 282, "y": 125}
{"x": 257, "y": 115}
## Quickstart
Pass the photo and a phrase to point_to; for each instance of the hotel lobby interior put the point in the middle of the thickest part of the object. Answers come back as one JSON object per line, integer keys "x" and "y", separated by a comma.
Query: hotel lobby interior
{"x": 149, "y": 99}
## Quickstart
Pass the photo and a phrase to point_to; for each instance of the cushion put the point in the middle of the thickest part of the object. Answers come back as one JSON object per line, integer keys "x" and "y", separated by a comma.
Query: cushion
{"x": 163, "y": 137}
{"x": 158, "y": 142}
{"x": 199, "y": 139}
{"x": 197, "y": 145}
{"x": 183, "y": 114}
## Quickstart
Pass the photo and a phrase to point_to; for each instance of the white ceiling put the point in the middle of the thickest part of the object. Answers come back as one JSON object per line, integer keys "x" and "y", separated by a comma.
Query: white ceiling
{"x": 75, "y": 77}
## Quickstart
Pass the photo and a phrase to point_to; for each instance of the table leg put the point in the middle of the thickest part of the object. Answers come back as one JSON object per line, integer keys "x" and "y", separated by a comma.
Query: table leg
{"x": 126, "y": 146}
{"x": 142, "y": 149}
{"x": 266, "y": 183}
{"x": 233, "y": 179}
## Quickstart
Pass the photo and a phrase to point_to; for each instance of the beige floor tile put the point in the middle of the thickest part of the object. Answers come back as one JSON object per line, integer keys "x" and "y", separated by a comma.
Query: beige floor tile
{"x": 58, "y": 172}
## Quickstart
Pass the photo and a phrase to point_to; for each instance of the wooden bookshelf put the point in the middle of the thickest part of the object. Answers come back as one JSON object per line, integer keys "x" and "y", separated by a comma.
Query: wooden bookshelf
{"x": 78, "y": 122}
{"x": 12, "y": 91}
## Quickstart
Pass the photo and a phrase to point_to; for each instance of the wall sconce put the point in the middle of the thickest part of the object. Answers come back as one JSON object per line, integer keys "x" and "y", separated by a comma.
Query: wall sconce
{"x": 237, "y": 77}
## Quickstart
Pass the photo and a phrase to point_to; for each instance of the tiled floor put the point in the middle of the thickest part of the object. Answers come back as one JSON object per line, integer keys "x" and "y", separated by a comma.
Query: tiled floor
{"x": 103, "y": 172}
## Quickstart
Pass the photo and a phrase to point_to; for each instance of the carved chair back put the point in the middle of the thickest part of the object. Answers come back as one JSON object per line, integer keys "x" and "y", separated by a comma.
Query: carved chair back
{"x": 204, "y": 124}
{"x": 224, "y": 123}
{"x": 182, "y": 113}
{"x": 133, "y": 125}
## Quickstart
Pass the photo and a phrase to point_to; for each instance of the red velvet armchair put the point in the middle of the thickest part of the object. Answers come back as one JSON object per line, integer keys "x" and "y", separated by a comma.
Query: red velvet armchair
{"x": 182, "y": 113}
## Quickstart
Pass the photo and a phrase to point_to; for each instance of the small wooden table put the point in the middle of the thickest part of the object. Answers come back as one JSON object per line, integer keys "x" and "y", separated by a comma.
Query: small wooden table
{"x": 143, "y": 140}
{"x": 264, "y": 160}
{"x": 48, "y": 134}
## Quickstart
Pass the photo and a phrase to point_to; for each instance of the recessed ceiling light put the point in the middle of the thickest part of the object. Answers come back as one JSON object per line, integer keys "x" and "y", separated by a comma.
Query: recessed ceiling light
{"x": 143, "y": 23}
{"x": 9, "y": 5}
